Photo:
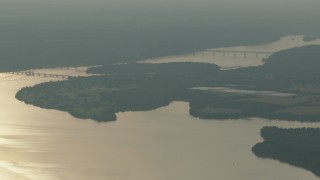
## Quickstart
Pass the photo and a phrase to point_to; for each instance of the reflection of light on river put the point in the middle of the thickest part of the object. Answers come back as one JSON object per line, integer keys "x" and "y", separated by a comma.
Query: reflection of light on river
{"x": 166, "y": 143}
{"x": 30, "y": 170}
{"x": 23, "y": 136}
{"x": 4, "y": 141}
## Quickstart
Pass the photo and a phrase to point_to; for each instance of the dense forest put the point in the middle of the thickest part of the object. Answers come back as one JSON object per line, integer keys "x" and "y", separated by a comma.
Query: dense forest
{"x": 298, "y": 147}
{"x": 137, "y": 86}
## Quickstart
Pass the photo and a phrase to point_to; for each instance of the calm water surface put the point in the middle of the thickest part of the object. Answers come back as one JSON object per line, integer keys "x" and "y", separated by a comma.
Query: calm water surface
{"x": 165, "y": 143}
{"x": 231, "y": 62}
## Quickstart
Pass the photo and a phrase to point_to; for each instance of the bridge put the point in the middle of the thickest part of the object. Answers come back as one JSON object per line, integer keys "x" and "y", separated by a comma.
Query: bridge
{"x": 233, "y": 53}
{"x": 29, "y": 73}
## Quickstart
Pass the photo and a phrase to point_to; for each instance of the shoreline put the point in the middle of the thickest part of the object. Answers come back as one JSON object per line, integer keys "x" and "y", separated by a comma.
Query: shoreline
{"x": 157, "y": 125}
{"x": 152, "y": 127}
{"x": 229, "y": 61}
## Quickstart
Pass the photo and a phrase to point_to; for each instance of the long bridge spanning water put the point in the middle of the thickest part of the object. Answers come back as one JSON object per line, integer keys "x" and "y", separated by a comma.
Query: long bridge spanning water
{"x": 233, "y": 53}
{"x": 29, "y": 73}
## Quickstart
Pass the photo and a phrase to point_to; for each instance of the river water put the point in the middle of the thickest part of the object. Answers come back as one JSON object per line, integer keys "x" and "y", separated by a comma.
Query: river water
{"x": 231, "y": 62}
{"x": 165, "y": 143}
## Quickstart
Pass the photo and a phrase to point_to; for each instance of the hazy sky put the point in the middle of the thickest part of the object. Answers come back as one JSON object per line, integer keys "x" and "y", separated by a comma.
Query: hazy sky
{"x": 34, "y": 14}
{"x": 96, "y": 8}
{"x": 45, "y": 28}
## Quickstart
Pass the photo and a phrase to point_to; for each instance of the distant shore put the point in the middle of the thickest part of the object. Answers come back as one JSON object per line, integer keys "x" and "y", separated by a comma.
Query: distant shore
{"x": 231, "y": 62}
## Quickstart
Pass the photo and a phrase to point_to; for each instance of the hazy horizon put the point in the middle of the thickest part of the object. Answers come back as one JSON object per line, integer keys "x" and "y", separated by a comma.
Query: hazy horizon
{"x": 97, "y": 32}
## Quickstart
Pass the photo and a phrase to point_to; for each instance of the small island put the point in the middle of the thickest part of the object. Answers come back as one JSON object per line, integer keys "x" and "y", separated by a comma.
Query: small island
{"x": 298, "y": 147}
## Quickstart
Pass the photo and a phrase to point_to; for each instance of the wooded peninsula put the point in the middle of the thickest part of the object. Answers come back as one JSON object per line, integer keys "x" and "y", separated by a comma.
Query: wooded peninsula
{"x": 140, "y": 87}
{"x": 286, "y": 87}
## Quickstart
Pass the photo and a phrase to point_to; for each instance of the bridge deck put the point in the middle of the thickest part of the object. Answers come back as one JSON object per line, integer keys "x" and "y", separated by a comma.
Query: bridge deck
{"x": 28, "y": 73}
{"x": 234, "y": 53}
